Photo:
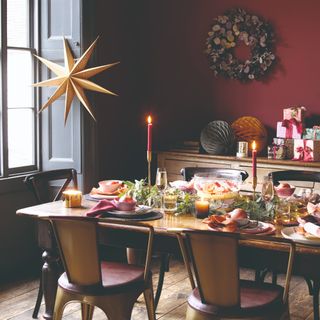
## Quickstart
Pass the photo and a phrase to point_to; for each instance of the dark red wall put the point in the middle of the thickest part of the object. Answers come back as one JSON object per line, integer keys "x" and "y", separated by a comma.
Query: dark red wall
{"x": 164, "y": 70}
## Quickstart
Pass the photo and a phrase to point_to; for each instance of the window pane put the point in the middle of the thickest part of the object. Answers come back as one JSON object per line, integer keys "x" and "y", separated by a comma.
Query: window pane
{"x": 19, "y": 79}
{"x": 20, "y": 137}
{"x": 18, "y": 27}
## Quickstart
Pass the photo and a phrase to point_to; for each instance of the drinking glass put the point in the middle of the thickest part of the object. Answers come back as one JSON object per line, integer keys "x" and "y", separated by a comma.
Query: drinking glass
{"x": 267, "y": 191}
{"x": 161, "y": 179}
{"x": 170, "y": 198}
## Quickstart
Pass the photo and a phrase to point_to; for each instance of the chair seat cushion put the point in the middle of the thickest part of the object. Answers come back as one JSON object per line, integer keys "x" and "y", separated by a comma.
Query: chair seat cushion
{"x": 116, "y": 277}
{"x": 255, "y": 299}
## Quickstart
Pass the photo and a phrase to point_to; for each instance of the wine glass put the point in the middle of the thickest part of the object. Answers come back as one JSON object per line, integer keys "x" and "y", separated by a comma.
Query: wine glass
{"x": 267, "y": 191}
{"x": 161, "y": 179}
{"x": 161, "y": 182}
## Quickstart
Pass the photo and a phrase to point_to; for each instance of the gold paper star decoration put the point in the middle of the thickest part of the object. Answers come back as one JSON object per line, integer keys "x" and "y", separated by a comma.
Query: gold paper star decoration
{"x": 72, "y": 79}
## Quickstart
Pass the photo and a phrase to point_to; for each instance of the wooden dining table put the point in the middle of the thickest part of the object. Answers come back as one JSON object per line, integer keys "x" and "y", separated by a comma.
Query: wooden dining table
{"x": 253, "y": 254}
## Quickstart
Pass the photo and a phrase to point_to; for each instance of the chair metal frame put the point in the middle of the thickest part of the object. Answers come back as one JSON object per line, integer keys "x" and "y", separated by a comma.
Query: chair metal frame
{"x": 93, "y": 294}
{"x": 308, "y": 176}
{"x": 33, "y": 181}
{"x": 193, "y": 273}
{"x": 294, "y": 175}
{"x": 189, "y": 172}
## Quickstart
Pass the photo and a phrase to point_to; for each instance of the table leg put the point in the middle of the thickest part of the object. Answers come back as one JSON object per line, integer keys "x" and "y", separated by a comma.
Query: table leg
{"x": 164, "y": 267}
{"x": 50, "y": 275}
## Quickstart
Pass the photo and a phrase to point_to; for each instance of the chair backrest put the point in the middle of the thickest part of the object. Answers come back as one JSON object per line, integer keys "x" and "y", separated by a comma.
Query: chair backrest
{"x": 77, "y": 242}
{"x": 294, "y": 175}
{"x": 214, "y": 259}
{"x": 39, "y": 183}
{"x": 77, "y": 239}
{"x": 189, "y": 172}
{"x": 215, "y": 265}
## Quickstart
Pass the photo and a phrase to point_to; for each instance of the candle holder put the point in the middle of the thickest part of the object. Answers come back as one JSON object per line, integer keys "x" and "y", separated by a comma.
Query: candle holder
{"x": 254, "y": 186}
{"x": 149, "y": 158}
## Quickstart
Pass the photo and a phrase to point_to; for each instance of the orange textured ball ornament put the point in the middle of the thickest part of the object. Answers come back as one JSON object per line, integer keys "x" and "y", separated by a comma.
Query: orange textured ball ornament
{"x": 250, "y": 129}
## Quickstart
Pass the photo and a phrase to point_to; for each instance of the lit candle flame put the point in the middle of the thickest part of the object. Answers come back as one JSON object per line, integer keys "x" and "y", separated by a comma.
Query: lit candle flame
{"x": 254, "y": 146}
{"x": 149, "y": 119}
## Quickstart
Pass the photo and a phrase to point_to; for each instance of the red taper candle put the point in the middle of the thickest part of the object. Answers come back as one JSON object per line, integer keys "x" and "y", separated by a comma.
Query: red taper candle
{"x": 149, "y": 141}
{"x": 254, "y": 159}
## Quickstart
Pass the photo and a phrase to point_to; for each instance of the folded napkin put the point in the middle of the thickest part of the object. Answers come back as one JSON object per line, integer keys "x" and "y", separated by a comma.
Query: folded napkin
{"x": 312, "y": 229}
{"x": 100, "y": 208}
{"x": 312, "y": 208}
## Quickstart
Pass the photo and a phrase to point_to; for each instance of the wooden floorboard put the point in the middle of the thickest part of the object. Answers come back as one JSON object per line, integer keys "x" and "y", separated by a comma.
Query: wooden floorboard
{"x": 17, "y": 299}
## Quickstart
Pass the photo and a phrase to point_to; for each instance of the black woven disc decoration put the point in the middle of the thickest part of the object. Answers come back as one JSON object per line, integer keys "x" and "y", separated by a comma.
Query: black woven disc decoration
{"x": 217, "y": 138}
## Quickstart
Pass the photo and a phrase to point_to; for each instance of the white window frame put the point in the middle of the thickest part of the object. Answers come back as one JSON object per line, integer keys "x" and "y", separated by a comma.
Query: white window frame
{"x": 33, "y": 44}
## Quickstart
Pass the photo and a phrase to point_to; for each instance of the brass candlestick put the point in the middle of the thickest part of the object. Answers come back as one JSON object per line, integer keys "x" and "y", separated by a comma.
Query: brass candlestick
{"x": 149, "y": 157}
{"x": 254, "y": 186}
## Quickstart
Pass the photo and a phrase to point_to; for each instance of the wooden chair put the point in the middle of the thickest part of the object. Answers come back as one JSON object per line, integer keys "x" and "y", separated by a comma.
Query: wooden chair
{"x": 218, "y": 293}
{"x": 111, "y": 286}
{"x": 309, "y": 176}
{"x": 189, "y": 172}
{"x": 39, "y": 184}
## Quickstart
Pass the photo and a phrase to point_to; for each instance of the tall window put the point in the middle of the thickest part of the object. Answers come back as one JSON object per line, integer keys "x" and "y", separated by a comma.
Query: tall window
{"x": 18, "y": 113}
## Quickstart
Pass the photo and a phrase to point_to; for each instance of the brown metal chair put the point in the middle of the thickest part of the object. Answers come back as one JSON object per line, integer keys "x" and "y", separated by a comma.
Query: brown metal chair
{"x": 189, "y": 172}
{"x": 39, "y": 184}
{"x": 309, "y": 176}
{"x": 218, "y": 293}
{"x": 294, "y": 175}
{"x": 113, "y": 287}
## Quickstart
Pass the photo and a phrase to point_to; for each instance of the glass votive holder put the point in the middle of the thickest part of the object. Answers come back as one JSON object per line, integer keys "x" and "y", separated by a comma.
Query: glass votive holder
{"x": 242, "y": 149}
{"x": 170, "y": 199}
{"x": 201, "y": 208}
{"x": 72, "y": 198}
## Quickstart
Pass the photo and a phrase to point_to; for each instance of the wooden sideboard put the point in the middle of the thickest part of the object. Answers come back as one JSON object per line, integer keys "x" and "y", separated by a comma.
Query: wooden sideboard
{"x": 174, "y": 161}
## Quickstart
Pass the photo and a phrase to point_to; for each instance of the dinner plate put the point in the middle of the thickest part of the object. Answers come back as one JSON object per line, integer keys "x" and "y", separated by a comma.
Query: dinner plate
{"x": 261, "y": 228}
{"x": 290, "y": 233}
{"x": 139, "y": 211}
{"x": 255, "y": 227}
{"x": 102, "y": 196}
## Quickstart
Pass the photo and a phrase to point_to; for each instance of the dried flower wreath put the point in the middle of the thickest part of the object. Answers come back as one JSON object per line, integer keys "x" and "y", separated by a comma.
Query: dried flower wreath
{"x": 226, "y": 33}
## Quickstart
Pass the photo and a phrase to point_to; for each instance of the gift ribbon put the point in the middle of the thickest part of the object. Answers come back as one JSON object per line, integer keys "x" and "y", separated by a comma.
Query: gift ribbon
{"x": 304, "y": 152}
{"x": 289, "y": 125}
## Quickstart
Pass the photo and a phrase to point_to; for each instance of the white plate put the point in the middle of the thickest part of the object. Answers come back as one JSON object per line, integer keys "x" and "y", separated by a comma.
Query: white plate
{"x": 290, "y": 233}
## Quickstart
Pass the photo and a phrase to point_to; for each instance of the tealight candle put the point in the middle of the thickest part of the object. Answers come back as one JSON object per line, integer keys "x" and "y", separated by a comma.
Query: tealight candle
{"x": 72, "y": 198}
{"x": 201, "y": 208}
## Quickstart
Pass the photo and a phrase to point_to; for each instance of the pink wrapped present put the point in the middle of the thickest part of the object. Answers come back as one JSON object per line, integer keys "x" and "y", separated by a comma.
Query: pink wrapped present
{"x": 296, "y": 113}
{"x": 290, "y": 132}
{"x": 306, "y": 150}
{"x": 294, "y": 116}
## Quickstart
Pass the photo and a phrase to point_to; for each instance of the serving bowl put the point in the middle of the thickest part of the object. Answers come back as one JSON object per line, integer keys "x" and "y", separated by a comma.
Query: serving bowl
{"x": 126, "y": 205}
{"x": 109, "y": 186}
{"x": 284, "y": 192}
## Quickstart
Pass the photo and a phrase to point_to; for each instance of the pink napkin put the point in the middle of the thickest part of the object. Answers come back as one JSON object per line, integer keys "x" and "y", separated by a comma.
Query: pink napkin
{"x": 100, "y": 208}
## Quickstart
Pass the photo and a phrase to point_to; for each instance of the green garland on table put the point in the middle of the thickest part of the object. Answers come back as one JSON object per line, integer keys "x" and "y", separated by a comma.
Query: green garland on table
{"x": 226, "y": 32}
{"x": 257, "y": 209}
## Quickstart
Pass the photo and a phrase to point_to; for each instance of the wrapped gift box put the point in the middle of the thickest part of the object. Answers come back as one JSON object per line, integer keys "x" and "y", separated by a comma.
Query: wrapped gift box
{"x": 285, "y": 142}
{"x": 306, "y": 150}
{"x": 290, "y": 132}
{"x": 279, "y": 152}
{"x": 296, "y": 113}
{"x": 312, "y": 133}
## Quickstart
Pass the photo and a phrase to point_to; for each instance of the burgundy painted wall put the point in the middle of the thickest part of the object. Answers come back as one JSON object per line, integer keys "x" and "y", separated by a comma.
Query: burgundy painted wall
{"x": 164, "y": 70}
{"x": 184, "y": 86}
